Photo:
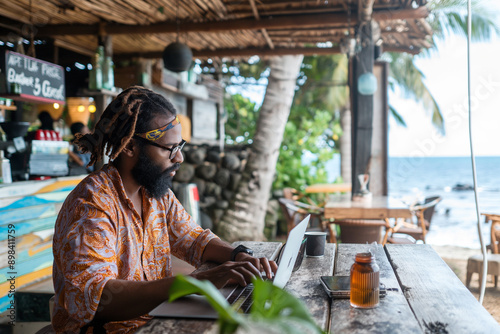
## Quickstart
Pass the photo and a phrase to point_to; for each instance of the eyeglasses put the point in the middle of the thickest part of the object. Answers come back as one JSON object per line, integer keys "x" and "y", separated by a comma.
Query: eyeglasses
{"x": 173, "y": 150}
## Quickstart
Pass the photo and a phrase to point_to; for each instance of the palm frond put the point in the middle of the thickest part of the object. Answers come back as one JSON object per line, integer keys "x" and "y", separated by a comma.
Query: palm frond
{"x": 411, "y": 82}
{"x": 450, "y": 17}
{"x": 397, "y": 116}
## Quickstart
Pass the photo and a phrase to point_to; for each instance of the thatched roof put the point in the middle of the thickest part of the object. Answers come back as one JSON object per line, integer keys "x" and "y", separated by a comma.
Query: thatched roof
{"x": 216, "y": 28}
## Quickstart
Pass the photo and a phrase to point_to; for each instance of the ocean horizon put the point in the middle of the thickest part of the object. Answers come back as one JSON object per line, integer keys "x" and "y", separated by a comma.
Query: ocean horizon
{"x": 455, "y": 220}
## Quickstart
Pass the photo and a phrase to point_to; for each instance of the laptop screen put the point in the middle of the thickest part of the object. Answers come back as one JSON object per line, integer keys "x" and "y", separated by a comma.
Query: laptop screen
{"x": 290, "y": 253}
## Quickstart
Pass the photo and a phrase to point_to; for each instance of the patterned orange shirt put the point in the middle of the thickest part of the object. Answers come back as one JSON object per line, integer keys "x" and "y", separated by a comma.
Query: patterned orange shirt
{"x": 100, "y": 236}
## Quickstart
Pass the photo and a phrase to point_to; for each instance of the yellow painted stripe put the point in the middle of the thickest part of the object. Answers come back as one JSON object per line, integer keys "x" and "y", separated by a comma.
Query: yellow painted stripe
{"x": 58, "y": 185}
{"x": 35, "y": 250}
{"x": 26, "y": 279}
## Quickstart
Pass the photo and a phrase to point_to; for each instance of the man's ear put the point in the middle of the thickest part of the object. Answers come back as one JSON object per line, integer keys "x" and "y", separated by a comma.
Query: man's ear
{"x": 130, "y": 149}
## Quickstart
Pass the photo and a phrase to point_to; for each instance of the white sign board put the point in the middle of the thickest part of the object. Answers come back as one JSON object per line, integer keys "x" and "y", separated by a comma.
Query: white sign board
{"x": 204, "y": 120}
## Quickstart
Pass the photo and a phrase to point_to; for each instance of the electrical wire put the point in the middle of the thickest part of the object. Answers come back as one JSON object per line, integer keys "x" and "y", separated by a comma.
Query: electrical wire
{"x": 473, "y": 158}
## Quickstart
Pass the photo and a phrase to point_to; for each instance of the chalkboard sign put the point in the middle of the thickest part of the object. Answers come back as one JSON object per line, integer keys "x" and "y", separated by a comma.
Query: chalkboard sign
{"x": 34, "y": 79}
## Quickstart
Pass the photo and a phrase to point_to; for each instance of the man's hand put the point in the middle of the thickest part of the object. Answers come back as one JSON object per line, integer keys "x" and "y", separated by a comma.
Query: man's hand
{"x": 241, "y": 271}
{"x": 238, "y": 272}
{"x": 262, "y": 264}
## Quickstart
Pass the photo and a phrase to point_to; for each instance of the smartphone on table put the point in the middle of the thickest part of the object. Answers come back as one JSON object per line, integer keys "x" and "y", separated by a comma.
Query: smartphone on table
{"x": 339, "y": 287}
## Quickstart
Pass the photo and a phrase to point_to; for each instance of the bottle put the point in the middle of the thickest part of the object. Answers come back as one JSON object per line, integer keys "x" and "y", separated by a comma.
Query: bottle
{"x": 108, "y": 79}
{"x": 95, "y": 75}
{"x": 5, "y": 172}
{"x": 365, "y": 281}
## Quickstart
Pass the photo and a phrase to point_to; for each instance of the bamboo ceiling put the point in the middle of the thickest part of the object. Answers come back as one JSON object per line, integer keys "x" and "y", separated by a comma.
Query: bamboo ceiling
{"x": 216, "y": 28}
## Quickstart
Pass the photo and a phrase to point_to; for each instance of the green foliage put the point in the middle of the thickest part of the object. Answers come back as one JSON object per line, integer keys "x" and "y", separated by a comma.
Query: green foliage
{"x": 229, "y": 319}
{"x": 314, "y": 137}
{"x": 241, "y": 119}
{"x": 313, "y": 127}
{"x": 273, "y": 311}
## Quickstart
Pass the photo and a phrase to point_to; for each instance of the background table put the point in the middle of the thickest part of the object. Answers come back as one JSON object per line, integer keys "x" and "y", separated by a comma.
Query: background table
{"x": 379, "y": 207}
{"x": 362, "y": 221}
{"x": 429, "y": 295}
{"x": 329, "y": 188}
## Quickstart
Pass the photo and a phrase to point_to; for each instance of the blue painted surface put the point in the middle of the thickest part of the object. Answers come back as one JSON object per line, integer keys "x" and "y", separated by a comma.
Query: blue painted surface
{"x": 5, "y": 303}
{"x": 31, "y": 207}
{"x": 26, "y": 213}
{"x": 25, "y": 202}
{"x": 26, "y": 253}
{"x": 39, "y": 199}
{"x": 42, "y": 260}
{"x": 29, "y": 226}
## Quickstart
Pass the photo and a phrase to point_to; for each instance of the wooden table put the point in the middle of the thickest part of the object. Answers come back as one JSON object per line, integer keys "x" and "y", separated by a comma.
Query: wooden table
{"x": 379, "y": 207}
{"x": 363, "y": 221}
{"x": 329, "y": 188}
{"x": 429, "y": 295}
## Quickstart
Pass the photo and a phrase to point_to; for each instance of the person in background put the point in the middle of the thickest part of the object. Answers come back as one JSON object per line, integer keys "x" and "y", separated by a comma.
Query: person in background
{"x": 117, "y": 230}
{"x": 78, "y": 163}
{"x": 47, "y": 123}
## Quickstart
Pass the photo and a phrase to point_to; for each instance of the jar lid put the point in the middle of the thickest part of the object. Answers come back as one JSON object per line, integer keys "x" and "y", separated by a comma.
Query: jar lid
{"x": 365, "y": 257}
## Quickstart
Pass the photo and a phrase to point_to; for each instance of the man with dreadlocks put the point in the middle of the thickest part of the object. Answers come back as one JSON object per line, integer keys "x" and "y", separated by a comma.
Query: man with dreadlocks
{"x": 117, "y": 229}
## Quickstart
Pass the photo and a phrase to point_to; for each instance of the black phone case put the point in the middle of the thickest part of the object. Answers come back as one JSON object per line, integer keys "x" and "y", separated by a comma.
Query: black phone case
{"x": 339, "y": 287}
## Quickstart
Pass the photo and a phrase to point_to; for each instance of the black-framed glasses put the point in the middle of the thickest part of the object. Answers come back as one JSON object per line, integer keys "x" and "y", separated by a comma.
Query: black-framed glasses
{"x": 173, "y": 150}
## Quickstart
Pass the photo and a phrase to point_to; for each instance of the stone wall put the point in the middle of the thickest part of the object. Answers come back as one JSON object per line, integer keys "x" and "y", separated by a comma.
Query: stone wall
{"x": 216, "y": 175}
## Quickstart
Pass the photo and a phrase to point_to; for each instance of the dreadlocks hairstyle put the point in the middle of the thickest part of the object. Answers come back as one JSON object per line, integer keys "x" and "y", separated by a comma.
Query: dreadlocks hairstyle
{"x": 130, "y": 112}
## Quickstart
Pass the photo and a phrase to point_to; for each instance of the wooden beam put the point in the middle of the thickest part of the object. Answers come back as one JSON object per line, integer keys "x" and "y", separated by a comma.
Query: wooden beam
{"x": 263, "y": 31}
{"x": 403, "y": 14}
{"x": 75, "y": 48}
{"x": 392, "y": 48}
{"x": 240, "y": 52}
{"x": 279, "y": 22}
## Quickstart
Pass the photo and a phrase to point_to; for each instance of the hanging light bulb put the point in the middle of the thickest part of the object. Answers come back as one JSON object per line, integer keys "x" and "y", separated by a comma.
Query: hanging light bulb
{"x": 56, "y": 105}
{"x": 177, "y": 56}
{"x": 80, "y": 108}
{"x": 92, "y": 109}
{"x": 367, "y": 84}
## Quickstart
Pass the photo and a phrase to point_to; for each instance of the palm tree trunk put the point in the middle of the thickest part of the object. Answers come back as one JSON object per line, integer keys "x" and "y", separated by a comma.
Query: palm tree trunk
{"x": 244, "y": 219}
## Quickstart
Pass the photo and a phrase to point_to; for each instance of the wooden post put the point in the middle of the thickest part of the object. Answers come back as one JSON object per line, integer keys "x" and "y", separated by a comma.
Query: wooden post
{"x": 362, "y": 111}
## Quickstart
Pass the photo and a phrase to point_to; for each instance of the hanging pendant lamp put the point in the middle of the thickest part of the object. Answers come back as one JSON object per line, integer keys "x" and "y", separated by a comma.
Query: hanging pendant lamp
{"x": 177, "y": 56}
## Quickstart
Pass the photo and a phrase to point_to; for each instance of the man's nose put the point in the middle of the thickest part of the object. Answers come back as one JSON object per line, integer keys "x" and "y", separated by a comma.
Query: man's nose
{"x": 179, "y": 157}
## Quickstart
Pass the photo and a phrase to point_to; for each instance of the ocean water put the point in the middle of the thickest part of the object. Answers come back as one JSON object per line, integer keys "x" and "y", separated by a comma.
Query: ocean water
{"x": 455, "y": 221}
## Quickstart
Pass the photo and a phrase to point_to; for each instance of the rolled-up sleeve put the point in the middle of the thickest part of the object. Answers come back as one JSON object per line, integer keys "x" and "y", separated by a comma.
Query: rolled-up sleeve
{"x": 187, "y": 239}
{"x": 84, "y": 261}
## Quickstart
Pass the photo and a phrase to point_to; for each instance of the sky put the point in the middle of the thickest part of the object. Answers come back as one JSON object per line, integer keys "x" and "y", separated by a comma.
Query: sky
{"x": 446, "y": 77}
{"x": 445, "y": 72}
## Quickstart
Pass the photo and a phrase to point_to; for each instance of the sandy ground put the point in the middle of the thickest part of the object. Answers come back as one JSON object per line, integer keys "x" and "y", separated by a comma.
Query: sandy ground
{"x": 456, "y": 258}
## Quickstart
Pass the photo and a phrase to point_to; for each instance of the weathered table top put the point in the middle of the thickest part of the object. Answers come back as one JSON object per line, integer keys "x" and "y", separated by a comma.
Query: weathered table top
{"x": 429, "y": 297}
{"x": 328, "y": 188}
{"x": 379, "y": 207}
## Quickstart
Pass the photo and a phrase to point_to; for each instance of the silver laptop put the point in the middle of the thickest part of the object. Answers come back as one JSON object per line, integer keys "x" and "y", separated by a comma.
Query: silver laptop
{"x": 195, "y": 306}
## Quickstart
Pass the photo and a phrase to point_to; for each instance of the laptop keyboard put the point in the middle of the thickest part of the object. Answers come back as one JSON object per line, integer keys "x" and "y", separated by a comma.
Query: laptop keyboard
{"x": 241, "y": 297}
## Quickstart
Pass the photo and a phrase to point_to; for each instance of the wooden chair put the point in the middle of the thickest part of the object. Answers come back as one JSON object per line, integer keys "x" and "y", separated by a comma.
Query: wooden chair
{"x": 295, "y": 195}
{"x": 360, "y": 231}
{"x": 494, "y": 245}
{"x": 475, "y": 262}
{"x": 415, "y": 230}
{"x": 295, "y": 211}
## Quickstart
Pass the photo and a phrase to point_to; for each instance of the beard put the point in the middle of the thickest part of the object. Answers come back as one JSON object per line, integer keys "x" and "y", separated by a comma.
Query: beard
{"x": 152, "y": 177}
